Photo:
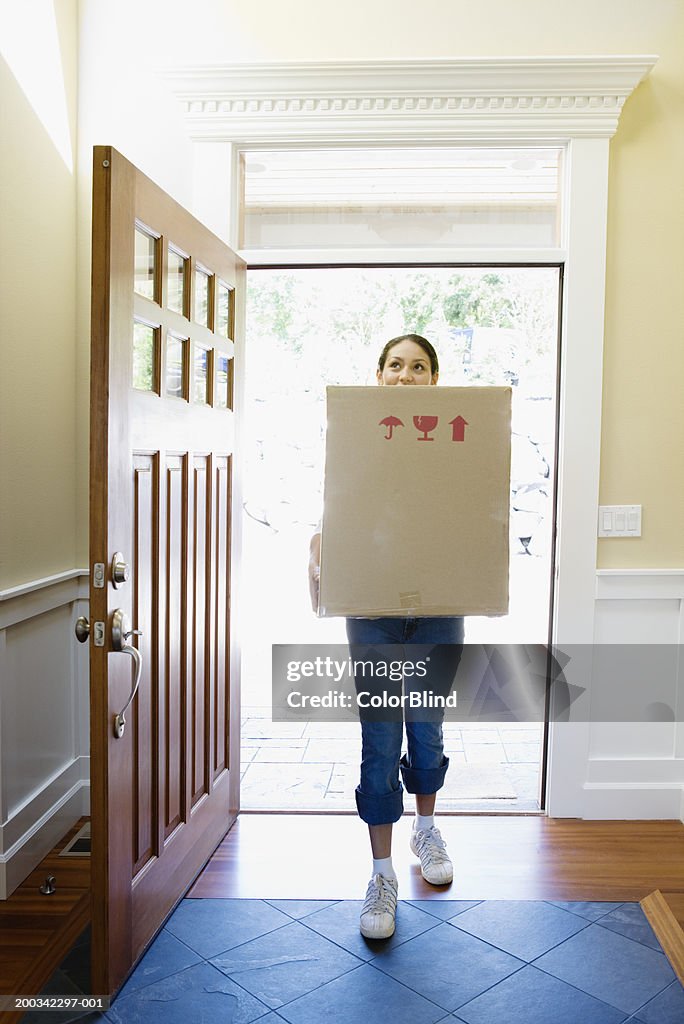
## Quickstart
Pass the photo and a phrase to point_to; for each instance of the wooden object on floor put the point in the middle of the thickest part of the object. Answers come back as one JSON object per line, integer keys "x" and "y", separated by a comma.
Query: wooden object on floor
{"x": 36, "y": 931}
{"x": 281, "y": 856}
{"x": 667, "y": 927}
{"x": 675, "y": 901}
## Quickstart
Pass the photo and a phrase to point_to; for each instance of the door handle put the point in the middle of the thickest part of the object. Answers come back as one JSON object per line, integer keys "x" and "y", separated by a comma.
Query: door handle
{"x": 82, "y": 629}
{"x": 121, "y": 631}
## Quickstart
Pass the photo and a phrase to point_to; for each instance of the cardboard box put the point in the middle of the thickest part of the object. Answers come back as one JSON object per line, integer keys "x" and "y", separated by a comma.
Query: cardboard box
{"x": 416, "y": 501}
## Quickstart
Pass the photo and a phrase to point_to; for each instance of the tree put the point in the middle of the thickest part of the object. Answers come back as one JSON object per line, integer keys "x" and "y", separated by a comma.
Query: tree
{"x": 482, "y": 301}
{"x": 420, "y": 300}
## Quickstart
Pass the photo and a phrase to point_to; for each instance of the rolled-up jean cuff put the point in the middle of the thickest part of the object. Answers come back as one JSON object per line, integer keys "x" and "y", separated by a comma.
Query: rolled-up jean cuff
{"x": 423, "y": 780}
{"x": 382, "y": 809}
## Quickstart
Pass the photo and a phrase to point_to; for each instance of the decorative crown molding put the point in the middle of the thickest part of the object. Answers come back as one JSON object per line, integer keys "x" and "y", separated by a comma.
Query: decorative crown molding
{"x": 473, "y": 98}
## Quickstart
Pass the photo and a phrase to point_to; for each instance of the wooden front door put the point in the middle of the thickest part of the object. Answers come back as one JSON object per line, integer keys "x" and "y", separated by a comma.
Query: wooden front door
{"x": 167, "y": 296}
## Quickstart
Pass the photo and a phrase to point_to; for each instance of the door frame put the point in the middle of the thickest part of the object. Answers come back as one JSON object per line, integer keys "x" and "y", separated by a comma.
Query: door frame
{"x": 573, "y": 102}
{"x": 263, "y": 262}
{"x": 581, "y": 260}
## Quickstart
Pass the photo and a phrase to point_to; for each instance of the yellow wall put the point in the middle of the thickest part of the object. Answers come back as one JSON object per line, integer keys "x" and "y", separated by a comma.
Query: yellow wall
{"x": 37, "y": 297}
{"x": 163, "y": 32}
{"x": 44, "y": 378}
{"x": 642, "y": 445}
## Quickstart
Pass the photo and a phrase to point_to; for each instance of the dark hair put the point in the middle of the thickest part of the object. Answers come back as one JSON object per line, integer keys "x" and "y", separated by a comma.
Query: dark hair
{"x": 417, "y": 339}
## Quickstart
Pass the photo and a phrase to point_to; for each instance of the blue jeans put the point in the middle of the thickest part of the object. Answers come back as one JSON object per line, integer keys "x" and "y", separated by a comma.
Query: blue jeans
{"x": 379, "y": 795}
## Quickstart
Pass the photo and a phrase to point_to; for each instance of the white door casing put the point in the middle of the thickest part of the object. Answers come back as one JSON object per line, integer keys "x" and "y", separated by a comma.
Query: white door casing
{"x": 574, "y": 102}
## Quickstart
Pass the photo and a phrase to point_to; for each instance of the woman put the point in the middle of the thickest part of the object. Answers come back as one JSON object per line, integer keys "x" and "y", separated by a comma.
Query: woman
{"x": 407, "y": 360}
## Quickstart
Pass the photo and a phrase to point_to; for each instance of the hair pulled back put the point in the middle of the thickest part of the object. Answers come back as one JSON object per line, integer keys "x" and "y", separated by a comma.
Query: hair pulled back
{"x": 417, "y": 339}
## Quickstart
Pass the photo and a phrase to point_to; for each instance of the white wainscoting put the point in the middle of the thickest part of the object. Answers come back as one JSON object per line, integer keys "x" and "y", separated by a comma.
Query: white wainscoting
{"x": 44, "y": 721}
{"x": 635, "y": 769}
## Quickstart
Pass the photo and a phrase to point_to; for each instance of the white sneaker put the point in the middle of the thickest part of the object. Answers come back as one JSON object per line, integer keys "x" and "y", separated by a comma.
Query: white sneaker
{"x": 379, "y": 908}
{"x": 435, "y": 866}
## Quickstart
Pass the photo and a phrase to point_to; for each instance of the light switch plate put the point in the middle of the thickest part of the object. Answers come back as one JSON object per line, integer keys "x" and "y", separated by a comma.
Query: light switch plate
{"x": 619, "y": 521}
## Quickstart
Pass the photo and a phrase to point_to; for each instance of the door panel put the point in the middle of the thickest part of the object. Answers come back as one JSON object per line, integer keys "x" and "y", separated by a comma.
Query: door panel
{"x": 162, "y": 433}
{"x": 222, "y": 574}
{"x": 144, "y": 721}
{"x": 198, "y": 622}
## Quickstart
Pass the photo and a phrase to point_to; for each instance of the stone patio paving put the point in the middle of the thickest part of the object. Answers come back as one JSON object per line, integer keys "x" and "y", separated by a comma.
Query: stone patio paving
{"x": 314, "y": 766}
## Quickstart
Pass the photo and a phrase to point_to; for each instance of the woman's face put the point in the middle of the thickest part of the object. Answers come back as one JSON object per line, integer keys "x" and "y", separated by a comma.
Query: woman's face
{"x": 407, "y": 363}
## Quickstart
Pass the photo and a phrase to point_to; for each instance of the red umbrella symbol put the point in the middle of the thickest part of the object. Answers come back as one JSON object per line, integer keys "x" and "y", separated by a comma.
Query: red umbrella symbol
{"x": 390, "y": 422}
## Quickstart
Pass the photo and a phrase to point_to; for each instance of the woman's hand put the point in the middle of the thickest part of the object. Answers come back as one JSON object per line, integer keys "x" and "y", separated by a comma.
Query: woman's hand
{"x": 314, "y": 569}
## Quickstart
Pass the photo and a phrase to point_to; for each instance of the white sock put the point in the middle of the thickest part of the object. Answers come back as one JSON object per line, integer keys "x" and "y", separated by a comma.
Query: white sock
{"x": 383, "y": 866}
{"x": 424, "y": 821}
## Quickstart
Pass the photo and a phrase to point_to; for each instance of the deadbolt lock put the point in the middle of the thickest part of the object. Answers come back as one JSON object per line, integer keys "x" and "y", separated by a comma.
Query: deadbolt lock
{"x": 120, "y": 571}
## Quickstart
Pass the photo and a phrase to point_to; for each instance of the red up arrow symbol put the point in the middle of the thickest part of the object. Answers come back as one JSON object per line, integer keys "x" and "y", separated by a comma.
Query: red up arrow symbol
{"x": 458, "y": 426}
{"x": 390, "y": 422}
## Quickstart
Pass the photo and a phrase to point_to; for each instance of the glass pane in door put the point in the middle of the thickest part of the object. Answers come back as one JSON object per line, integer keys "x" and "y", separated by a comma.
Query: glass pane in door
{"x": 202, "y": 297}
{"x": 176, "y": 277}
{"x": 224, "y": 325}
{"x": 146, "y": 265}
{"x": 200, "y": 376}
{"x": 176, "y": 349}
{"x": 145, "y": 356}
{"x": 222, "y": 382}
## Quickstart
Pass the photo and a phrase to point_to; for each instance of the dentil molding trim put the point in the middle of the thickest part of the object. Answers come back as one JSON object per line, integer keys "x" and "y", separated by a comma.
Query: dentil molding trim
{"x": 472, "y": 98}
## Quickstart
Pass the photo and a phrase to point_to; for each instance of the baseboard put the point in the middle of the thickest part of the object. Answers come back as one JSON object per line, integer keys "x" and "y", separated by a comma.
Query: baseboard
{"x": 616, "y": 801}
{"x": 41, "y": 836}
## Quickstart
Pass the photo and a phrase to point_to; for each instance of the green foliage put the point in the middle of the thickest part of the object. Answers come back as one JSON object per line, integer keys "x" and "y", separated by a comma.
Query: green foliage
{"x": 480, "y": 302}
{"x": 273, "y": 309}
{"x": 144, "y": 343}
{"x": 310, "y": 328}
{"x": 332, "y": 324}
{"x": 420, "y": 299}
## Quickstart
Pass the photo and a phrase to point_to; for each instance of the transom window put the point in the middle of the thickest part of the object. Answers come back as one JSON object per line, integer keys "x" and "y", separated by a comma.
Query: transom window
{"x": 457, "y": 196}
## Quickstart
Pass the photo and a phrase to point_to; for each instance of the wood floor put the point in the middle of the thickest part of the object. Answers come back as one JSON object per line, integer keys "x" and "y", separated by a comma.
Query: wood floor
{"x": 37, "y": 931}
{"x": 495, "y": 857}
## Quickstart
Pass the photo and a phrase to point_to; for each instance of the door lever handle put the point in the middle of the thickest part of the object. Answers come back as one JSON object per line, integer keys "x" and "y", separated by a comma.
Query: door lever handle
{"x": 121, "y": 631}
{"x": 120, "y": 719}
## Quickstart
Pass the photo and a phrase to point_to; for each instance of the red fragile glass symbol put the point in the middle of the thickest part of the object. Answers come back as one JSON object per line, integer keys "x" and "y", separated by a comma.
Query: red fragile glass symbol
{"x": 425, "y": 424}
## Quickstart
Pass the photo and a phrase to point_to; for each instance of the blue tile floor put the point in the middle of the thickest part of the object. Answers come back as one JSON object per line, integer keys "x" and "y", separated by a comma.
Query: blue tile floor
{"x": 303, "y": 961}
